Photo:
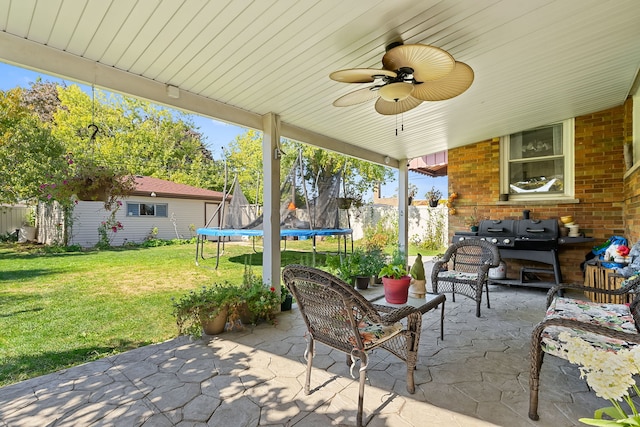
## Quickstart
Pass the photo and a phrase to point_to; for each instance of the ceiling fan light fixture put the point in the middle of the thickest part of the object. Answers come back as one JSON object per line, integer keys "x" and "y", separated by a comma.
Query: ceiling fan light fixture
{"x": 395, "y": 92}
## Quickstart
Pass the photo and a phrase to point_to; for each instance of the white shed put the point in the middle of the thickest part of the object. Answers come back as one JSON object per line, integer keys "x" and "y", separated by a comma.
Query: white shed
{"x": 158, "y": 208}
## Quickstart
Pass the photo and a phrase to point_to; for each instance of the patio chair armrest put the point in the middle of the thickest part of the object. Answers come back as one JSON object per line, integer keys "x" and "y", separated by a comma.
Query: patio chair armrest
{"x": 584, "y": 326}
{"x": 391, "y": 315}
{"x": 631, "y": 287}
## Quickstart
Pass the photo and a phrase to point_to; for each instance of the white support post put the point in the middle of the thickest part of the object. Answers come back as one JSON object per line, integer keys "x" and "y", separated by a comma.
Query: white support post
{"x": 271, "y": 196}
{"x": 403, "y": 206}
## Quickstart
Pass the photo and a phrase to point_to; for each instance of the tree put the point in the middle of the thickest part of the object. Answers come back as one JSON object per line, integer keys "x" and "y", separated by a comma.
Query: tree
{"x": 142, "y": 138}
{"x": 244, "y": 157}
{"x": 29, "y": 153}
{"x": 244, "y": 160}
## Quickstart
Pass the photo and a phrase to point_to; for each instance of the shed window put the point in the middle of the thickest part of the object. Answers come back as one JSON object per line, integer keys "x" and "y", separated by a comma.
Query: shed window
{"x": 147, "y": 209}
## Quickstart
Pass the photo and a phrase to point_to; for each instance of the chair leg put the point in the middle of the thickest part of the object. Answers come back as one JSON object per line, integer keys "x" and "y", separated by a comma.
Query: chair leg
{"x": 310, "y": 349}
{"x": 363, "y": 376}
{"x": 414, "y": 325}
{"x": 486, "y": 284}
{"x": 537, "y": 356}
{"x": 442, "y": 321}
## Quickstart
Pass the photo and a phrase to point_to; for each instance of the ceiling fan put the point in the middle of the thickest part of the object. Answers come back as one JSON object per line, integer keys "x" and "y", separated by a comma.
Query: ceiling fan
{"x": 411, "y": 73}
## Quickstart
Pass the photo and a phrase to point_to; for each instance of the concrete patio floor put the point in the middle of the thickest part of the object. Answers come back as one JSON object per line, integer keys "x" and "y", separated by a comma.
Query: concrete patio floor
{"x": 476, "y": 376}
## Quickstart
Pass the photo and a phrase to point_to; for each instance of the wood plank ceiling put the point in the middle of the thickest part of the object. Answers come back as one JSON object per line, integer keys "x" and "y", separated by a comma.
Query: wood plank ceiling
{"x": 535, "y": 61}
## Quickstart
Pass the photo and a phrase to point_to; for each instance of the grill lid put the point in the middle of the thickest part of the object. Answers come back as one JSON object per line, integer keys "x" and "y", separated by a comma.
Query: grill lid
{"x": 545, "y": 229}
{"x": 497, "y": 228}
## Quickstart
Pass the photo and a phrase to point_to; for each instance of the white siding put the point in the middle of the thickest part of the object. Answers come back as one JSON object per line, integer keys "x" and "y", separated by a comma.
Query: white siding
{"x": 12, "y": 218}
{"x": 181, "y": 214}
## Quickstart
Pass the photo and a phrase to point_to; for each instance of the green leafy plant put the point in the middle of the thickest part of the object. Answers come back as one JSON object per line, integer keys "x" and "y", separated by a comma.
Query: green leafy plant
{"x": 198, "y": 306}
{"x": 396, "y": 268}
{"x": 284, "y": 292}
{"x": 342, "y": 266}
{"x": 373, "y": 261}
{"x": 393, "y": 271}
{"x": 30, "y": 217}
{"x": 261, "y": 301}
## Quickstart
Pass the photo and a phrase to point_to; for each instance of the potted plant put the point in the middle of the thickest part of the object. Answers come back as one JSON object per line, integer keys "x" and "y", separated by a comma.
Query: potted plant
{"x": 472, "y": 221}
{"x": 395, "y": 280}
{"x": 417, "y": 287}
{"x": 433, "y": 197}
{"x": 204, "y": 310}
{"x": 360, "y": 268}
{"x": 342, "y": 266}
{"x": 258, "y": 301}
{"x": 85, "y": 179}
{"x": 286, "y": 299}
{"x": 374, "y": 260}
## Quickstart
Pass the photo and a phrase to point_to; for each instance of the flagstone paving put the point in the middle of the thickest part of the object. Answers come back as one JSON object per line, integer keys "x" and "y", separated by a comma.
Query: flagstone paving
{"x": 476, "y": 376}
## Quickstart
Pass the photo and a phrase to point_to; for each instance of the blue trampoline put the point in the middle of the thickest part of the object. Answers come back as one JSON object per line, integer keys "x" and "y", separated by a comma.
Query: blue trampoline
{"x": 284, "y": 233}
{"x": 303, "y": 214}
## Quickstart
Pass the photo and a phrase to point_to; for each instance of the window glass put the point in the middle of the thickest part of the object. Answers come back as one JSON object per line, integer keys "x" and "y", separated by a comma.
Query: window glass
{"x": 147, "y": 209}
{"x": 538, "y": 162}
{"x": 161, "y": 210}
{"x": 133, "y": 209}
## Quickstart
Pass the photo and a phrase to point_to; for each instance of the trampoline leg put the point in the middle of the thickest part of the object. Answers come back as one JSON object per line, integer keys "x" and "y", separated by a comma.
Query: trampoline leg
{"x": 197, "y": 247}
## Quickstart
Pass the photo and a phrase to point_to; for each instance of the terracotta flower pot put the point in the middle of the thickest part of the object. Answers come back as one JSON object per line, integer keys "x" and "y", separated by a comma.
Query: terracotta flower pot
{"x": 396, "y": 291}
{"x": 216, "y": 324}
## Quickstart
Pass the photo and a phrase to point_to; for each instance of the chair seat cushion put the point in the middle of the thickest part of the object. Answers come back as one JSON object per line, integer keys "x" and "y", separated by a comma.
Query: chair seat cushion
{"x": 614, "y": 316}
{"x": 457, "y": 275}
{"x": 373, "y": 334}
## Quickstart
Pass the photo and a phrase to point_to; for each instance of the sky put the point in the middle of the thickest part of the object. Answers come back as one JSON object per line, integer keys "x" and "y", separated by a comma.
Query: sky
{"x": 217, "y": 134}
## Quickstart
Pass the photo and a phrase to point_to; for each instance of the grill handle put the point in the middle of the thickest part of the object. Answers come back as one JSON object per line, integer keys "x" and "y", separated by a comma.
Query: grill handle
{"x": 495, "y": 230}
{"x": 535, "y": 230}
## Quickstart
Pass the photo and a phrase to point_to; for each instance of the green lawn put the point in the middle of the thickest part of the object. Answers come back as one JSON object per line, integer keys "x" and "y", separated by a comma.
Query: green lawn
{"x": 60, "y": 310}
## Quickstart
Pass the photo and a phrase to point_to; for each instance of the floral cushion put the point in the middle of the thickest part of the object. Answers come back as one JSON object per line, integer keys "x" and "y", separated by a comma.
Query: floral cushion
{"x": 374, "y": 333}
{"x": 614, "y": 316}
{"x": 457, "y": 275}
{"x": 629, "y": 281}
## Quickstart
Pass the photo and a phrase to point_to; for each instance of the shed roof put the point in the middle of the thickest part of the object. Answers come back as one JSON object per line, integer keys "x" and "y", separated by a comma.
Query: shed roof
{"x": 146, "y": 185}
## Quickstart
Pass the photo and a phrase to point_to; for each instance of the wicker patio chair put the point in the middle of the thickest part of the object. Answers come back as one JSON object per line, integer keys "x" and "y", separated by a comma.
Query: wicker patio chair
{"x": 338, "y": 316}
{"x": 602, "y": 325}
{"x": 464, "y": 268}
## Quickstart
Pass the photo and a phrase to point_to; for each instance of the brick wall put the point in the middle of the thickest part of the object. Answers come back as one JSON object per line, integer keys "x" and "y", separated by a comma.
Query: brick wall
{"x": 608, "y": 203}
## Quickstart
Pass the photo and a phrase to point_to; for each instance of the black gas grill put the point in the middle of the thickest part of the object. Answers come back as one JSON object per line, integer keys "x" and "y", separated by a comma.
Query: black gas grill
{"x": 525, "y": 239}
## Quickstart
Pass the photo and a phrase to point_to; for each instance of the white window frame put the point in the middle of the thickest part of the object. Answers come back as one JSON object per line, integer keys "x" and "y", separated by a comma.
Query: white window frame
{"x": 636, "y": 127}
{"x": 568, "y": 144}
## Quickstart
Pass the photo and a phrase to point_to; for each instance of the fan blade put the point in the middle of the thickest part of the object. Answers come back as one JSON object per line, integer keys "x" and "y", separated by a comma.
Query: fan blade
{"x": 447, "y": 87}
{"x": 360, "y": 75}
{"x": 389, "y": 108}
{"x": 357, "y": 97}
{"x": 428, "y": 62}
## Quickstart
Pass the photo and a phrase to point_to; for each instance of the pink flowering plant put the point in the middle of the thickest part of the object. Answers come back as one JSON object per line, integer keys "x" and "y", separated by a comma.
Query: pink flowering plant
{"x": 108, "y": 228}
{"x": 611, "y": 376}
{"x": 84, "y": 179}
